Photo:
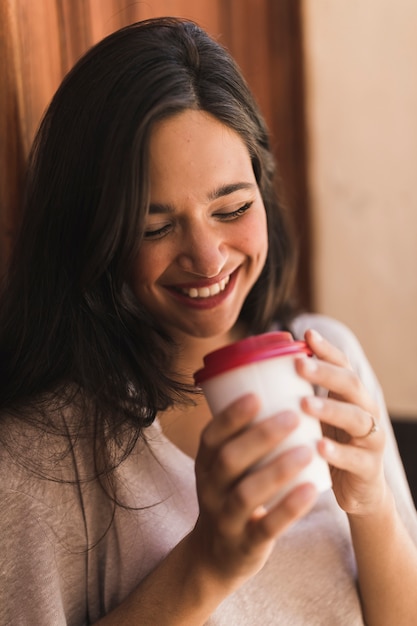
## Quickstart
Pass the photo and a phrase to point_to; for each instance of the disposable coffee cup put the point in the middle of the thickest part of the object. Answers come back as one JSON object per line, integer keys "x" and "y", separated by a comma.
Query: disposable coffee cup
{"x": 265, "y": 365}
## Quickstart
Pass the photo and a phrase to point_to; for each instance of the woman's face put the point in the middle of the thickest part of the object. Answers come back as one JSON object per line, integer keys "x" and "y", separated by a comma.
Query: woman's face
{"x": 205, "y": 240}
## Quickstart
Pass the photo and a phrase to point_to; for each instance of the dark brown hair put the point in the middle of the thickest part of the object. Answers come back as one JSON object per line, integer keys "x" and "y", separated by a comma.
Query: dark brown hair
{"x": 69, "y": 324}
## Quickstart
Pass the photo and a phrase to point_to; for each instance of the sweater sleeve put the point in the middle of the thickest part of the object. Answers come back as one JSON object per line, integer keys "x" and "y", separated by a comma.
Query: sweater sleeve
{"x": 29, "y": 584}
{"x": 41, "y": 548}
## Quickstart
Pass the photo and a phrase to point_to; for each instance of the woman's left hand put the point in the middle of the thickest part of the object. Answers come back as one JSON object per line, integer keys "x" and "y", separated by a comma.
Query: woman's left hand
{"x": 354, "y": 442}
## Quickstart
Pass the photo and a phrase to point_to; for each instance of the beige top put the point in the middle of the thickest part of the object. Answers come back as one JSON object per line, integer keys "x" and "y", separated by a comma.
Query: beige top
{"x": 49, "y": 577}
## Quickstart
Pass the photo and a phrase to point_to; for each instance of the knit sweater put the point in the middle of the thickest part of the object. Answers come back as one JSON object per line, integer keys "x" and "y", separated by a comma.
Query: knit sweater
{"x": 66, "y": 557}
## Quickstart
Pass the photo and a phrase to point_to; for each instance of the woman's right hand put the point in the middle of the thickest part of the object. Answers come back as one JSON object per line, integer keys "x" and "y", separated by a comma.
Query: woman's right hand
{"x": 234, "y": 534}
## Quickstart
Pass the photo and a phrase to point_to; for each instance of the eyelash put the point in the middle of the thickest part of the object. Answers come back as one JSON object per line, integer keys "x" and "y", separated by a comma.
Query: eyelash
{"x": 156, "y": 234}
{"x": 235, "y": 214}
{"x": 226, "y": 217}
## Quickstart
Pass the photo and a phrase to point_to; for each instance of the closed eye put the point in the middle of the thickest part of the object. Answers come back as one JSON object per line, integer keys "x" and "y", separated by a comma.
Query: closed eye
{"x": 232, "y": 215}
{"x": 157, "y": 233}
{"x": 160, "y": 232}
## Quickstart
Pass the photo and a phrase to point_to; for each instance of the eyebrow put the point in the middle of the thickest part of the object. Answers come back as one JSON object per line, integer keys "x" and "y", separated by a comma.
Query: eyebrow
{"x": 225, "y": 190}
{"x": 219, "y": 192}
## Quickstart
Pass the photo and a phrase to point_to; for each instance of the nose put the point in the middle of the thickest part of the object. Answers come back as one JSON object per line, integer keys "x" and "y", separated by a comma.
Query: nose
{"x": 203, "y": 251}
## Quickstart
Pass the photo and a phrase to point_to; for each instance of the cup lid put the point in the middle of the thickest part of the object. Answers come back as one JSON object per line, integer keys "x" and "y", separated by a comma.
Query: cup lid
{"x": 249, "y": 350}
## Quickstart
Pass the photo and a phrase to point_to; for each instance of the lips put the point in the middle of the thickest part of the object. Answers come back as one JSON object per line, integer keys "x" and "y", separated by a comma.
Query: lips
{"x": 204, "y": 296}
{"x": 206, "y": 292}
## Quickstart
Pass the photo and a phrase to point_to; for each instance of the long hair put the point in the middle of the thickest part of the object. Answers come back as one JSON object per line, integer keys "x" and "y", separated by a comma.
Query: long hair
{"x": 70, "y": 326}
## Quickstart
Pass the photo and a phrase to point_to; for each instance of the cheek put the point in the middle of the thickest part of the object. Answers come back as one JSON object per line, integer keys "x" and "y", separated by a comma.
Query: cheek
{"x": 256, "y": 237}
{"x": 142, "y": 274}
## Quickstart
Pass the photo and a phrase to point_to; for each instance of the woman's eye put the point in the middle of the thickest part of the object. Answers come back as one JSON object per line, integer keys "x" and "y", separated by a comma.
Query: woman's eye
{"x": 157, "y": 233}
{"x": 235, "y": 214}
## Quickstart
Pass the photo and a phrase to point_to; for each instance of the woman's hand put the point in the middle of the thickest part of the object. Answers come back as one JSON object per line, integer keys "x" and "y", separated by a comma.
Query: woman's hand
{"x": 235, "y": 533}
{"x": 354, "y": 442}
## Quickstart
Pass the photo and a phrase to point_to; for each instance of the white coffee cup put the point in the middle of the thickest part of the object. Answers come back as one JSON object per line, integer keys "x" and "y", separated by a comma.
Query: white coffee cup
{"x": 264, "y": 365}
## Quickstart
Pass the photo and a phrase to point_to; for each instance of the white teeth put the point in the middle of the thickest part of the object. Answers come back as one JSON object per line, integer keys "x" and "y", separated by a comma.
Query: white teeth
{"x": 206, "y": 292}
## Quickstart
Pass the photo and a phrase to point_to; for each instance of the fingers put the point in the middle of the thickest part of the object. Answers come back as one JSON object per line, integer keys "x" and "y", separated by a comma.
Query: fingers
{"x": 230, "y": 464}
{"x": 242, "y": 549}
{"x": 323, "y": 349}
{"x": 260, "y": 486}
{"x": 244, "y": 510}
{"x": 358, "y": 456}
{"x": 341, "y": 382}
{"x": 349, "y": 406}
{"x": 349, "y": 414}
{"x": 373, "y": 428}
{"x": 234, "y": 419}
{"x": 234, "y": 441}
{"x": 292, "y": 508}
{"x": 235, "y": 480}
{"x": 254, "y": 444}
{"x": 331, "y": 370}
{"x": 349, "y": 458}
{"x": 358, "y": 423}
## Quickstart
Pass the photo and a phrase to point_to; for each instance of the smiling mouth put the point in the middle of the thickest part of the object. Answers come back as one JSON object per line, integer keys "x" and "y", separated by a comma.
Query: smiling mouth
{"x": 206, "y": 292}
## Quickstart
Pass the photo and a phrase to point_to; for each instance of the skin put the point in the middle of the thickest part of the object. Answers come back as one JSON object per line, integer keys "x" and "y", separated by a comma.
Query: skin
{"x": 234, "y": 534}
{"x": 207, "y": 223}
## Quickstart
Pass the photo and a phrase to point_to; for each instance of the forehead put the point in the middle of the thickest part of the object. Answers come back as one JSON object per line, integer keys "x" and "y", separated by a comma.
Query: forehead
{"x": 193, "y": 151}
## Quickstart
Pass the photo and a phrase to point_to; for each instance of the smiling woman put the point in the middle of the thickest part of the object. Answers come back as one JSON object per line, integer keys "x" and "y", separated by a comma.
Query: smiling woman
{"x": 206, "y": 236}
{"x": 152, "y": 234}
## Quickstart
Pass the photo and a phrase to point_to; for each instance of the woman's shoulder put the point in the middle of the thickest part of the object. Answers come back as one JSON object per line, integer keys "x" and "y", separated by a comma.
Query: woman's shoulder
{"x": 42, "y": 524}
{"x": 43, "y": 469}
{"x": 37, "y": 442}
{"x": 48, "y": 482}
{"x": 332, "y": 329}
{"x": 34, "y": 462}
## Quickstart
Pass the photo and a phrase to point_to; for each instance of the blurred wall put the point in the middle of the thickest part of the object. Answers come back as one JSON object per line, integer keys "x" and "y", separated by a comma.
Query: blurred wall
{"x": 361, "y": 86}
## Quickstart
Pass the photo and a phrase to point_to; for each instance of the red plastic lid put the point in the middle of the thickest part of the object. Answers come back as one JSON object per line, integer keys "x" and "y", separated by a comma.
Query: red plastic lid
{"x": 250, "y": 350}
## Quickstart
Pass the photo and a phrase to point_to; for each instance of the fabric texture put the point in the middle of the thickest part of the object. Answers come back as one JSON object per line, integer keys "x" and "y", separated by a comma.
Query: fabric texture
{"x": 66, "y": 557}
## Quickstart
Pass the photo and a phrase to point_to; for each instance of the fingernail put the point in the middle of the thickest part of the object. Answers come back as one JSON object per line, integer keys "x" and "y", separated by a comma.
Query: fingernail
{"x": 302, "y": 454}
{"x": 315, "y": 403}
{"x": 287, "y": 419}
{"x": 316, "y": 335}
{"x": 329, "y": 447}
